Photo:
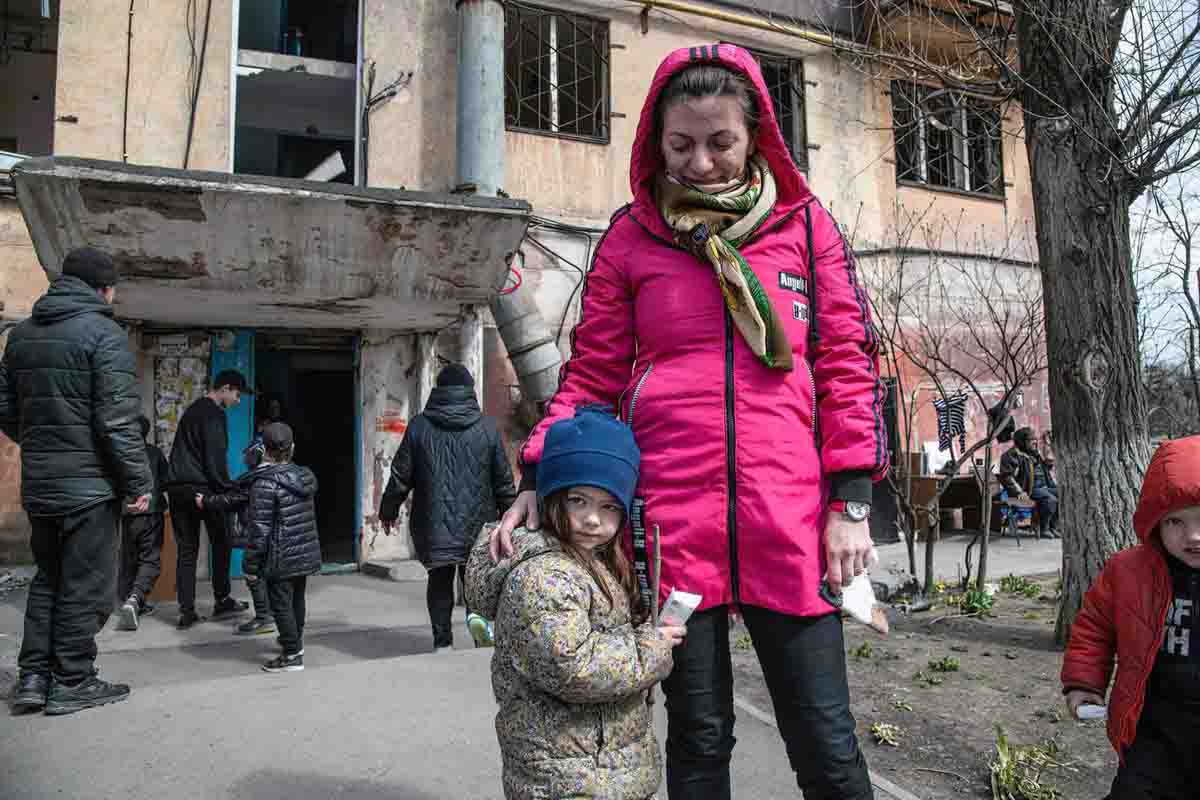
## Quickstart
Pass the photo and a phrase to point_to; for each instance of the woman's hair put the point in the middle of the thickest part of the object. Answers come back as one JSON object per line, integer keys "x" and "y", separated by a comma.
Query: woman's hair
{"x": 556, "y": 520}
{"x": 708, "y": 80}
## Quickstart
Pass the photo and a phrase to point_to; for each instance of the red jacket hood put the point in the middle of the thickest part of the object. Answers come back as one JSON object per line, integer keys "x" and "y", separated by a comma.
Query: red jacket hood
{"x": 646, "y": 159}
{"x": 1172, "y": 482}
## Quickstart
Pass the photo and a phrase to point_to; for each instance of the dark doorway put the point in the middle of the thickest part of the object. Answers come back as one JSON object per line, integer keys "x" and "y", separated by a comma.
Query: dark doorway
{"x": 315, "y": 390}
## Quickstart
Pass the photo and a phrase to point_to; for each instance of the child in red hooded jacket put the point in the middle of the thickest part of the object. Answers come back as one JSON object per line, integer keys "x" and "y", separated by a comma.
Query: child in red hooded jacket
{"x": 1142, "y": 609}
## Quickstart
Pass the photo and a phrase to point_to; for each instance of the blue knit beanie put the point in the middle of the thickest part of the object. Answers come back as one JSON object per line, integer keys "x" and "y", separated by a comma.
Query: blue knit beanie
{"x": 593, "y": 448}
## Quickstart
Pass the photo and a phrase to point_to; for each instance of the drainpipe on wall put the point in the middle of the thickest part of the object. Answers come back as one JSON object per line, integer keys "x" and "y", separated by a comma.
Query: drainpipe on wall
{"x": 531, "y": 347}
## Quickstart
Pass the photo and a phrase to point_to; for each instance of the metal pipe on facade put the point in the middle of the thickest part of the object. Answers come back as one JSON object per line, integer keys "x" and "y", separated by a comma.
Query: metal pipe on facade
{"x": 531, "y": 348}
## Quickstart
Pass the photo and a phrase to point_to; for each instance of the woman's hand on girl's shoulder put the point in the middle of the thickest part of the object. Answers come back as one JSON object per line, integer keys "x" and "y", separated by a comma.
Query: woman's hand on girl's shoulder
{"x": 524, "y": 511}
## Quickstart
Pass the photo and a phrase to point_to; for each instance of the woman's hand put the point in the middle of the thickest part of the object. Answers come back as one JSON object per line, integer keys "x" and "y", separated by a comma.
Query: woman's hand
{"x": 1079, "y": 697}
{"x": 848, "y": 550}
{"x": 524, "y": 511}
{"x": 672, "y": 634}
{"x": 200, "y": 501}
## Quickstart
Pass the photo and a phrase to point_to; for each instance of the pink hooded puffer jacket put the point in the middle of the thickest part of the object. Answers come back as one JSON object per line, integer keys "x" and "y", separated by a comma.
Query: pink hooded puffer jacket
{"x": 737, "y": 459}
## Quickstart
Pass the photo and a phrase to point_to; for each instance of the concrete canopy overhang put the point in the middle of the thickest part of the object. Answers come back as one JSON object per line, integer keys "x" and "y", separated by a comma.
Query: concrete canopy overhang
{"x": 216, "y": 249}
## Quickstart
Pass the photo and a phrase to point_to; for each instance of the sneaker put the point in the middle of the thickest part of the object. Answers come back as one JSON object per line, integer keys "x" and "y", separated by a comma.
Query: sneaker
{"x": 481, "y": 631}
{"x": 147, "y": 609}
{"x": 228, "y": 608}
{"x": 127, "y": 616}
{"x": 29, "y": 692}
{"x": 92, "y": 692}
{"x": 441, "y": 651}
{"x": 285, "y": 663}
{"x": 187, "y": 619}
{"x": 256, "y": 627}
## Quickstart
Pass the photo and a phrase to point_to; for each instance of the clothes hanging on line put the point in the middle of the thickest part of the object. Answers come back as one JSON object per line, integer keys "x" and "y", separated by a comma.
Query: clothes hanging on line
{"x": 951, "y": 418}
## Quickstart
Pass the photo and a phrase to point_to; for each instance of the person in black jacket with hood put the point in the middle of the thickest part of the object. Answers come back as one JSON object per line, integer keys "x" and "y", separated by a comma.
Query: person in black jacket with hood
{"x": 199, "y": 466}
{"x": 452, "y": 459}
{"x": 69, "y": 398}
{"x": 284, "y": 547}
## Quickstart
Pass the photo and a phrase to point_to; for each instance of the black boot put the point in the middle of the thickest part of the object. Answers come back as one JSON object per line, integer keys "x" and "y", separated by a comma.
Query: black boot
{"x": 228, "y": 607}
{"x": 92, "y": 692}
{"x": 29, "y": 693}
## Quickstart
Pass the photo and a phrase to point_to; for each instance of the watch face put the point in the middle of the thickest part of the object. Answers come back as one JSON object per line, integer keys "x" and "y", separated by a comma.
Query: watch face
{"x": 858, "y": 511}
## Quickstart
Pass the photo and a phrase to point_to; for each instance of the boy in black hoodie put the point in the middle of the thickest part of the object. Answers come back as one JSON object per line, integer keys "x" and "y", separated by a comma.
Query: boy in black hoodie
{"x": 283, "y": 545}
{"x": 141, "y": 542}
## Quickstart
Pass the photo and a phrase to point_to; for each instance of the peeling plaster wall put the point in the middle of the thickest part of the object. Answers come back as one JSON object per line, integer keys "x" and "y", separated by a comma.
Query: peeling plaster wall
{"x": 388, "y": 375}
{"x": 22, "y": 281}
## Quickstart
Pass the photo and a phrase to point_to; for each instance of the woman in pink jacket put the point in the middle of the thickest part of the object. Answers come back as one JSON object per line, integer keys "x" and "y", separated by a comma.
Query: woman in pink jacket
{"x": 723, "y": 318}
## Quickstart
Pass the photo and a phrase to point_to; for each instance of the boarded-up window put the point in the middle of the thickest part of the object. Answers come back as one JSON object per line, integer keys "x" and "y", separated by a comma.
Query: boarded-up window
{"x": 556, "y": 76}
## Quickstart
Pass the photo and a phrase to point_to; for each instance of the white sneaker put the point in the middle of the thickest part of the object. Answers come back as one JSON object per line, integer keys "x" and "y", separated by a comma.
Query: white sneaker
{"x": 127, "y": 619}
{"x": 442, "y": 650}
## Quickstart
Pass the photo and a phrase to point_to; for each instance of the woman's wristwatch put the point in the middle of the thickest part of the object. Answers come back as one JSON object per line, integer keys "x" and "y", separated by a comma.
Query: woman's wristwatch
{"x": 851, "y": 510}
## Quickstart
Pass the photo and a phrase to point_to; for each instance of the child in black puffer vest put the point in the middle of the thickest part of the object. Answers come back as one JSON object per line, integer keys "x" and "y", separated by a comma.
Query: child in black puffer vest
{"x": 283, "y": 545}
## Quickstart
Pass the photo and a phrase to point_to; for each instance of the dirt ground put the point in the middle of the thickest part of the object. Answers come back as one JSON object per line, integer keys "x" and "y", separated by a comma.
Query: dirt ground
{"x": 1007, "y": 675}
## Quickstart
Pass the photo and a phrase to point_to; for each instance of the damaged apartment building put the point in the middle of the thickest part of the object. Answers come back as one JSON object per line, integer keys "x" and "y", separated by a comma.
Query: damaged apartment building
{"x": 330, "y": 195}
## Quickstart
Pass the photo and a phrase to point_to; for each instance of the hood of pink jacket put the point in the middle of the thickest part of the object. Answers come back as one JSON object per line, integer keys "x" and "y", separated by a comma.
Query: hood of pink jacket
{"x": 646, "y": 159}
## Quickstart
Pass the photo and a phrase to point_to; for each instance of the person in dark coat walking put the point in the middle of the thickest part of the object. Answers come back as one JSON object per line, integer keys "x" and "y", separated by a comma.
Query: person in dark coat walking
{"x": 69, "y": 398}
{"x": 284, "y": 546}
{"x": 141, "y": 542}
{"x": 199, "y": 466}
{"x": 452, "y": 459}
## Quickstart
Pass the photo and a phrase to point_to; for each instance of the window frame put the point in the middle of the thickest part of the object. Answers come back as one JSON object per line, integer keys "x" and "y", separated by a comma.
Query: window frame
{"x": 913, "y": 162}
{"x": 796, "y": 69}
{"x": 604, "y": 56}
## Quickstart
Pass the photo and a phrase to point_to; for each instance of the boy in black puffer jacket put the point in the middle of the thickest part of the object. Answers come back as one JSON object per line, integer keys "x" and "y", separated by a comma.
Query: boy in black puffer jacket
{"x": 283, "y": 547}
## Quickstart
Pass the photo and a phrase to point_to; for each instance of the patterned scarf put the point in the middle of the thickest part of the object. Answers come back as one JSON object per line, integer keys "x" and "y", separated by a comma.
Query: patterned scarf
{"x": 711, "y": 223}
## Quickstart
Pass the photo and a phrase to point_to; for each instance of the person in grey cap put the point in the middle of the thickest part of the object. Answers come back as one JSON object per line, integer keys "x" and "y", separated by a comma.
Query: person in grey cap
{"x": 69, "y": 398}
{"x": 199, "y": 466}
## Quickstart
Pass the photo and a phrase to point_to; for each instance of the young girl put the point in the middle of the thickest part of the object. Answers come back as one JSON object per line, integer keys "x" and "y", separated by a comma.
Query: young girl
{"x": 575, "y": 652}
{"x": 1142, "y": 609}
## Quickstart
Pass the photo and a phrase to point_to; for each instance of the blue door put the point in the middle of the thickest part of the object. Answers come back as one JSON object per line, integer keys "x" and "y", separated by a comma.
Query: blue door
{"x": 235, "y": 350}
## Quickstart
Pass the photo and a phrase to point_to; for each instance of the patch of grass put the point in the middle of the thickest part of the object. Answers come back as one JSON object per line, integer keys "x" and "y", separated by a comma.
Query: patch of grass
{"x": 743, "y": 642}
{"x": 886, "y": 733}
{"x": 975, "y": 602}
{"x": 944, "y": 664}
{"x": 928, "y": 680}
{"x": 864, "y": 650}
{"x": 1031, "y": 615}
{"x": 1020, "y": 585}
{"x": 901, "y": 705}
{"x": 1051, "y": 715}
{"x": 1017, "y": 770}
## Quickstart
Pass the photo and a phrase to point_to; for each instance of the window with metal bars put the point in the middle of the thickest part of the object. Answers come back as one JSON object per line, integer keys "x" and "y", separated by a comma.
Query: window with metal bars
{"x": 785, "y": 81}
{"x": 944, "y": 139}
{"x": 556, "y": 73}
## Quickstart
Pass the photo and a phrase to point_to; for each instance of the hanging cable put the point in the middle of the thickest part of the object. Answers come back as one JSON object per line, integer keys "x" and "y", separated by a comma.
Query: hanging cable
{"x": 198, "y": 69}
{"x": 128, "y": 69}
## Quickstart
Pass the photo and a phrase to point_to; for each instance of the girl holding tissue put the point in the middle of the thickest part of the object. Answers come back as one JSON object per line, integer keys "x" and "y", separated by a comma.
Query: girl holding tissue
{"x": 723, "y": 317}
{"x": 1142, "y": 610}
{"x": 576, "y": 652}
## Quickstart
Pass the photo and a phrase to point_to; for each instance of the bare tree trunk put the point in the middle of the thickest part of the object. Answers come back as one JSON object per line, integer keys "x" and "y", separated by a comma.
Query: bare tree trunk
{"x": 931, "y": 532}
{"x": 1082, "y": 218}
{"x": 985, "y": 511}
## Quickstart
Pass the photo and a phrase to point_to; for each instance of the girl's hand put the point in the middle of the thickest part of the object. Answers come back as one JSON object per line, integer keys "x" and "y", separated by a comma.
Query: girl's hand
{"x": 673, "y": 634}
{"x": 848, "y": 550}
{"x": 200, "y": 501}
{"x": 524, "y": 511}
{"x": 1079, "y": 697}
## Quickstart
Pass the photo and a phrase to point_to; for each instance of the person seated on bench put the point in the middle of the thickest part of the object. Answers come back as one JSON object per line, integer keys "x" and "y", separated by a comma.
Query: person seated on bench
{"x": 1027, "y": 477}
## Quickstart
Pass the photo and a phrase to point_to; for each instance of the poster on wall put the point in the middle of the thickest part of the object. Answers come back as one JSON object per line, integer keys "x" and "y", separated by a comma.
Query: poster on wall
{"x": 180, "y": 378}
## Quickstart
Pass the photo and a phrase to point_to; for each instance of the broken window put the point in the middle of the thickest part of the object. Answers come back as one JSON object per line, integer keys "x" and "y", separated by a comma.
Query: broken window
{"x": 293, "y": 118}
{"x": 324, "y": 29}
{"x": 785, "y": 82}
{"x": 556, "y": 73}
{"x": 28, "y": 67}
{"x": 944, "y": 139}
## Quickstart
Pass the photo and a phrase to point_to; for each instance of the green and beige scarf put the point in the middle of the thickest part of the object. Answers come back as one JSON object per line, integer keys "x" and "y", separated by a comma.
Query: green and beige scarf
{"x": 712, "y": 222}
